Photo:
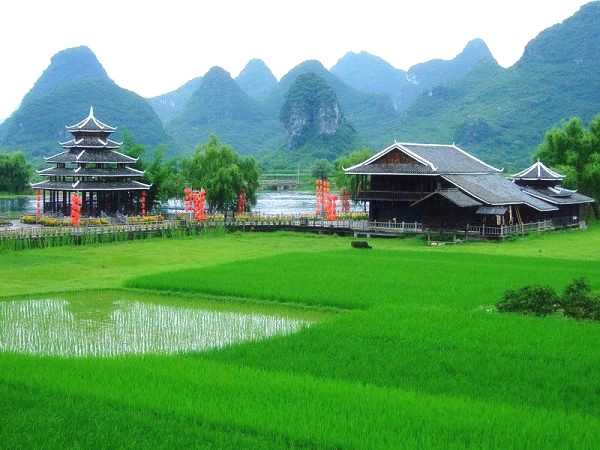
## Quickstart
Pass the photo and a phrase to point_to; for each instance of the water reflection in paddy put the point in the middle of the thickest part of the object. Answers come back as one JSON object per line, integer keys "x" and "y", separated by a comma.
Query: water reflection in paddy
{"x": 60, "y": 327}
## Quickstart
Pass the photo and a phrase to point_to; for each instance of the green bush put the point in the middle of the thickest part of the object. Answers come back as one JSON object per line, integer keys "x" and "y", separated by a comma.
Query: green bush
{"x": 537, "y": 300}
{"x": 579, "y": 302}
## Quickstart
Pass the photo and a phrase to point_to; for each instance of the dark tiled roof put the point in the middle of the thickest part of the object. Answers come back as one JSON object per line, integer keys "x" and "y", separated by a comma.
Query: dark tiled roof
{"x": 495, "y": 190}
{"x": 117, "y": 172}
{"x": 537, "y": 171}
{"x": 91, "y": 142}
{"x": 449, "y": 158}
{"x": 491, "y": 210}
{"x": 90, "y": 156}
{"x": 558, "y": 196}
{"x": 391, "y": 169}
{"x": 436, "y": 159}
{"x": 455, "y": 196}
{"x": 91, "y": 186}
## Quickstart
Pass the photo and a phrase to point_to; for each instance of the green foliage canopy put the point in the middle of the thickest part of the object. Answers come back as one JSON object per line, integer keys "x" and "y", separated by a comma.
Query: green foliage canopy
{"x": 321, "y": 169}
{"x": 165, "y": 177}
{"x": 223, "y": 174}
{"x": 575, "y": 151}
{"x": 343, "y": 162}
{"x": 15, "y": 173}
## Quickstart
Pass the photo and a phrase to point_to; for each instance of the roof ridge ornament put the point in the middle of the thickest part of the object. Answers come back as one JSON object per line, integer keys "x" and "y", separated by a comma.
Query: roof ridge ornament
{"x": 537, "y": 171}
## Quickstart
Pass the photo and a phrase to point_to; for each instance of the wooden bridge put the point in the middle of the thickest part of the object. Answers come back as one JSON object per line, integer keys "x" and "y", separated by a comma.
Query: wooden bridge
{"x": 259, "y": 223}
{"x": 279, "y": 181}
{"x": 273, "y": 223}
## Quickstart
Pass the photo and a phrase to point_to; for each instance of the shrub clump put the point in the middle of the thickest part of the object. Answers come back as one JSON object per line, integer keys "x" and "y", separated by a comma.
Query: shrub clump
{"x": 537, "y": 300}
{"x": 54, "y": 222}
{"x": 577, "y": 301}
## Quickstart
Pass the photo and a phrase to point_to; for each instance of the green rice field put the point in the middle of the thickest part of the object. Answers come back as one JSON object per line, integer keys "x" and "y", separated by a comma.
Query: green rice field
{"x": 395, "y": 347}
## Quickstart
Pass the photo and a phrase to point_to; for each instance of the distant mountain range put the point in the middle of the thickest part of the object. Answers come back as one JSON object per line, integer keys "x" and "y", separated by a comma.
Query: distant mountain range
{"x": 63, "y": 94}
{"x": 499, "y": 114}
{"x": 502, "y": 114}
{"x": 369, "y": 73}
{"x": 257, "y": 80}
{"x": 172, "y": 103}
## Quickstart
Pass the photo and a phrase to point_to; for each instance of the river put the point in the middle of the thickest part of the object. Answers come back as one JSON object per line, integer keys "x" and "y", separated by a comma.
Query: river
{"x": 287, "y": 202}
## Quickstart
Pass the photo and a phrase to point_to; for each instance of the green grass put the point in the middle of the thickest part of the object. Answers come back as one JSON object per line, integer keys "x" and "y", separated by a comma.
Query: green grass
{"x": 418, "y": 359}
{"x": 354, "y": 279}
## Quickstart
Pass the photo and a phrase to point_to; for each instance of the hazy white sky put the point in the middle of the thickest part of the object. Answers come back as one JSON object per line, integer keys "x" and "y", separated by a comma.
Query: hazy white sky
{"x": 152, "y": 47}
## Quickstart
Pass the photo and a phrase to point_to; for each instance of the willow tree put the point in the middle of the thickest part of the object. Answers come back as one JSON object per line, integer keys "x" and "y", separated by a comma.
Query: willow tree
{"x": 165, "y": 176}
{"x": 344, "y": 162}
{"x": 575, "y": 151}
{"x": 15, "y": 173}
{"x": 223, "y": 174}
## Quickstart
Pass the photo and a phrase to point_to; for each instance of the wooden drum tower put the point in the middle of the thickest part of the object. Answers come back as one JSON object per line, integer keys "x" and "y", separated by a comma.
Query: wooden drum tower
{"x": 91, "y": 166}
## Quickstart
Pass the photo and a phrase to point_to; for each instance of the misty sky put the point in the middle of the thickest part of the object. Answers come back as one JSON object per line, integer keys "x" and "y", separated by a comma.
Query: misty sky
{"x": 153, "y": 47}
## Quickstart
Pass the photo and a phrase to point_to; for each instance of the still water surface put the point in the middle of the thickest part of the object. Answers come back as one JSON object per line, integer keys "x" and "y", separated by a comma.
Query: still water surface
{"x": 13, "y": 206}
{"x": 287, "y": 202}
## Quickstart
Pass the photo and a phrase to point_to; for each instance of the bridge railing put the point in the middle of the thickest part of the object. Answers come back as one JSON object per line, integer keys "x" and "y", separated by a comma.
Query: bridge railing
{"x": 269, "y": 221}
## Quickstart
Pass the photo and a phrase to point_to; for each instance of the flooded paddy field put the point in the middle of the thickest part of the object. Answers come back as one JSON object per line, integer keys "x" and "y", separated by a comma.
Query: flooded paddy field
{"x": 111, "y": 323}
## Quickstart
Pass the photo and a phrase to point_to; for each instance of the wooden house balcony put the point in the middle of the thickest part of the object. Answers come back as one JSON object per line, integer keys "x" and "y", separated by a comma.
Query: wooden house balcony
{"x": 392, "y": 196}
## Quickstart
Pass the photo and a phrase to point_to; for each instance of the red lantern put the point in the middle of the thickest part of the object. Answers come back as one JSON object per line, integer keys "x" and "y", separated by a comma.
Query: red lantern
{"x": 241, "y": 206}
{"x": 320, "y": 197}
{"x": 38, "y": 211}
{"x": 75, "y": 209}
{"x": 199, "y": 205}
{"x": 188, "y": 199}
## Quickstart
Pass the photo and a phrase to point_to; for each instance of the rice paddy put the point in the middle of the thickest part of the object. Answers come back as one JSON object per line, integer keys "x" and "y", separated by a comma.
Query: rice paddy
{"x": 398, "y": 347}
{"x": 86, "y": 327}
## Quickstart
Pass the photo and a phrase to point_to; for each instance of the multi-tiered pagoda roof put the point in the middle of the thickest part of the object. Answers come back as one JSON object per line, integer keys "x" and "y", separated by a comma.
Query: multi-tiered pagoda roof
{"x": 92, "y": 165}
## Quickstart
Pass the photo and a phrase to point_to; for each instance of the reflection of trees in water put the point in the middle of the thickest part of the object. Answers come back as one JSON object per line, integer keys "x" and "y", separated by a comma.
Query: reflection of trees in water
{"x": 96, "y": 314}
{"x": 60, "y": 327}
{"x": 13, "y": 205}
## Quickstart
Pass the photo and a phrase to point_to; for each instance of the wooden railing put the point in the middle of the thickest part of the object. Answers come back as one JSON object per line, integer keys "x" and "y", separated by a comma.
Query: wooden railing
{"x": 274, "y": 222}
{"x": 397, "y": 196}
{"x": 506, "y": 230}
{"x": 262, "y": 222}
{"x": 40, "y": 232}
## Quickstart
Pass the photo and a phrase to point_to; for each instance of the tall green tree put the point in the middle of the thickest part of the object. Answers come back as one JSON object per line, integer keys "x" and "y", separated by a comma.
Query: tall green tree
{"x": 321, "y": 169}
{"x": 133, "y": 149}
{"x": 165, "y": 177}
{"x": 575, "y": 151}
{"x": 345, "y": 161}
{"x": 223, "y": 174}
{"x": 15, "y": 173}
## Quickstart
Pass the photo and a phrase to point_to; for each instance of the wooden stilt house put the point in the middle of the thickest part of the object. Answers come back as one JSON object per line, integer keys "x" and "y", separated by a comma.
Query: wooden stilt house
{"x": 443, "y": 186}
